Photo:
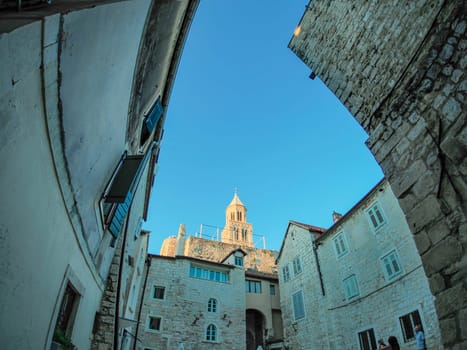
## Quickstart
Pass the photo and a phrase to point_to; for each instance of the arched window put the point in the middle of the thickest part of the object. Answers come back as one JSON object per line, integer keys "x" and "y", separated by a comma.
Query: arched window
{"x": 212, "y": 305}
{"x": 211, "y": 333}
{"x": 234, "y": 232}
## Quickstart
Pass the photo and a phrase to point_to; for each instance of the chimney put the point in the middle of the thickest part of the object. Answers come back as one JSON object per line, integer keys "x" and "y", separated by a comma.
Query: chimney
{"x": 180, "y": 249}
{"x": 336, "y": 216}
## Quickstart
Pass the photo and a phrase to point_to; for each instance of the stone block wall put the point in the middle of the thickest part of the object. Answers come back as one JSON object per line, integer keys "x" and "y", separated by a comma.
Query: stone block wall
{"x": 104, "y": 322}
{"x": 184, "y": 311}
{"x": 262, "y": 260}
{"x": 381, "y": 302}
{"x": 168, "y": 246}
{"x": 399, "y": 67}
{"x": 310, "y": 331}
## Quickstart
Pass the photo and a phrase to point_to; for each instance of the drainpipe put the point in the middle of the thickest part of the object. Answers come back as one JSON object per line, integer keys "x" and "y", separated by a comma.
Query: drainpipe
{"x": 318, "y": 266}
{"x": 148, "y": 262}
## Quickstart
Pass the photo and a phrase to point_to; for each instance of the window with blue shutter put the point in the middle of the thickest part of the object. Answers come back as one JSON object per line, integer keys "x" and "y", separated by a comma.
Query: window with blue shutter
{"x": 298, "y": 305}
{"x": 297, "y": 266}
{"x": 340, "y": 245}
{"x": 120, "y": 192}
{"x": 375, "y": 216}
{"x": 351, "y": 287}
{"x": 151, "y": 119}
{"x": 391, "y": 265}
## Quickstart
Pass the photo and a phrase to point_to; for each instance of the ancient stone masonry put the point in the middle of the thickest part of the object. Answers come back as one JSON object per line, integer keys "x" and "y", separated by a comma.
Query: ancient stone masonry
{"x": 182, "y": 308}
{"x": 400, "y": 68}
{"x": 257, "y": 259}
{"x": 105, "y": 319}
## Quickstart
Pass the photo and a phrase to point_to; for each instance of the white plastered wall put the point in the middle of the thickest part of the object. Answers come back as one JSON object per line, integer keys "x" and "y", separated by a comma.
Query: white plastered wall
{"x": 40, "y": 248}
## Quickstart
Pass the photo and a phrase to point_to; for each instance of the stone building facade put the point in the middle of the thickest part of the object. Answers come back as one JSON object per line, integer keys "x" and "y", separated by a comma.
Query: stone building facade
{"x": 400, "y": 69}
{"x": 192, "y": 304}
{"x": 261, "y": 309}
{"x": 359, "y": 281}
{"x": 300, "y": 278}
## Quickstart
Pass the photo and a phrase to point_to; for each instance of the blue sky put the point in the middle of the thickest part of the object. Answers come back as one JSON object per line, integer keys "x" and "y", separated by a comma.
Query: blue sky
{"x": 244, "y": 114}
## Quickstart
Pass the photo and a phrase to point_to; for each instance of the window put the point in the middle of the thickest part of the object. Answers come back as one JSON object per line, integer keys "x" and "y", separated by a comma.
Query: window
{"x": 375, "y": 215}
{"x": 286, "y": 273}
{"x": 367, "y": 339}
{"x": 253, "y": 286}
{"x": 151, "y": 119}
{"x": 119, "y": 192}
{"x": 408, "y": 323}
{"x": 238, "y": 260}
{"x": 132, "y": 297}
{"x": 297, "y": 266}
{"x": 272, "y": 289}
{"x": 340, "y": 245}
{"x": 158, "y": 292}
{"x": 351, "y": 287}
{"x": 391, "y": 265}
{"x": 154, "y": 323}
{"x": 211, "y": 333}
{"x": 244, "y": 234}
{"x": 67, "y": 312}
{"x": 212, "y": 305}
{"x": 298, "y": 306}
{"x": 211, "y": 275}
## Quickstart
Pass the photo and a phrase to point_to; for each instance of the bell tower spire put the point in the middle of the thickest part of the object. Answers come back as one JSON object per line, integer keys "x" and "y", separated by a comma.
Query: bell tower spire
{"x": 237, "y": 230}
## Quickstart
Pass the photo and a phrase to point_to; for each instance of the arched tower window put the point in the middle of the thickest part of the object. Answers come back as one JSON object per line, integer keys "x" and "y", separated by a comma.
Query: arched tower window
{"x": 244, "y": 234}
{"x": 211, "y": 333}
{"x": 212, "y": 305}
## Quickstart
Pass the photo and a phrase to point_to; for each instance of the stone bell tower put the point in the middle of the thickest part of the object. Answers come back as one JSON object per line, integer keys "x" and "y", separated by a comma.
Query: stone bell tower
{"x": 236, "y": 229}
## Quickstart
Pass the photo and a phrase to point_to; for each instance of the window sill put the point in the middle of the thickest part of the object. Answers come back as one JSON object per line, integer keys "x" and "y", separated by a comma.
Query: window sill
{"x": 153, "y": 330}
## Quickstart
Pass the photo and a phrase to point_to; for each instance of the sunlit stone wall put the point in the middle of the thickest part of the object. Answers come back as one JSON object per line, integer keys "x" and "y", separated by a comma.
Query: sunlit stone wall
{"x": 257, "y": 259}
{"x": 183, "y": 309}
